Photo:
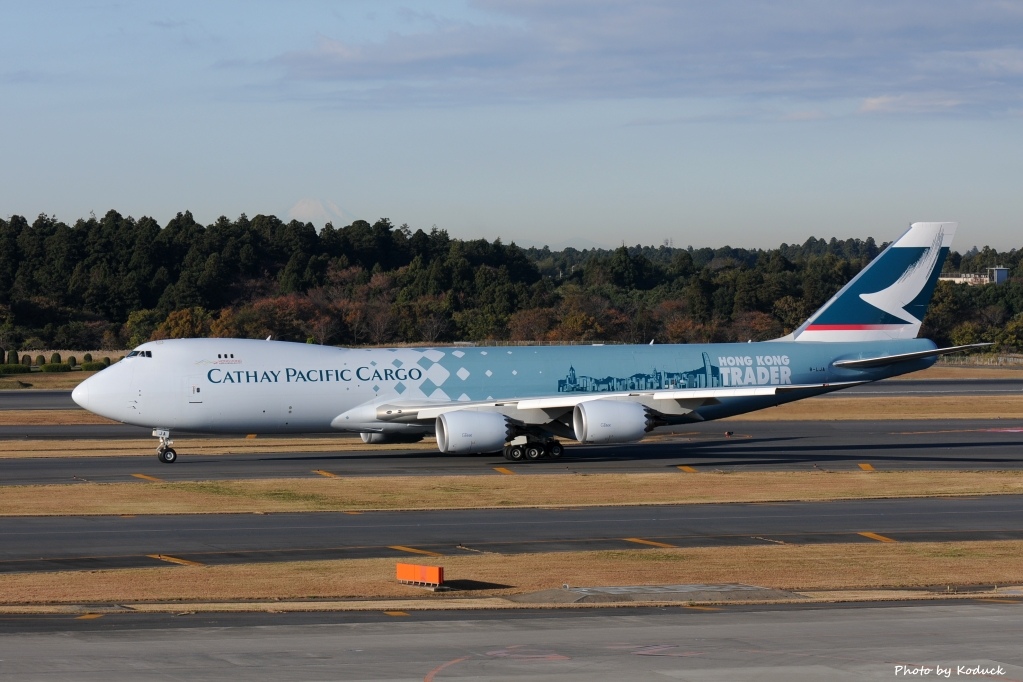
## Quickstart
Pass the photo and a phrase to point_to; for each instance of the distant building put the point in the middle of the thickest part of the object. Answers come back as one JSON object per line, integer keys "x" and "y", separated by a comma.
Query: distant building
{"x": 996, "y": 275}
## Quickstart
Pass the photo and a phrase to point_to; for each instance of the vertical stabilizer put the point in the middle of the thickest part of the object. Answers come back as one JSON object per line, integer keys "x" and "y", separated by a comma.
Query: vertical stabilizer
{"x": 889, "y": 298}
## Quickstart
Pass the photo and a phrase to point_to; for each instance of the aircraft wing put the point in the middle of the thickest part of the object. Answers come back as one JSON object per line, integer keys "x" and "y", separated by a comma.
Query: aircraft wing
{"x": 542, "y": 409}
{"x": 860, "y": 363}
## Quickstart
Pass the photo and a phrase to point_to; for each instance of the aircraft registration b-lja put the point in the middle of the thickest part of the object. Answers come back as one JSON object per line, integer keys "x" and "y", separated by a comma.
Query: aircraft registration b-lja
{"x": 520, "y": 399}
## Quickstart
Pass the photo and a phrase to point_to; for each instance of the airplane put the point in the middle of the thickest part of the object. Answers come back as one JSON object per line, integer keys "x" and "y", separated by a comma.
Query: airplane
{"x": 520, "y": 400}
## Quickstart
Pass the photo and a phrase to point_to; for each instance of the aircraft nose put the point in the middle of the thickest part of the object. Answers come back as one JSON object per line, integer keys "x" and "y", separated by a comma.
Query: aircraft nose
{"x": 81, "y": 395}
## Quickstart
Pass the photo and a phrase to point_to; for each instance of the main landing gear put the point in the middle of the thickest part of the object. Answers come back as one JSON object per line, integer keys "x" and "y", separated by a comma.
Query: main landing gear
{"x": 533, "y": 450}
{"x": 164, "y": 452}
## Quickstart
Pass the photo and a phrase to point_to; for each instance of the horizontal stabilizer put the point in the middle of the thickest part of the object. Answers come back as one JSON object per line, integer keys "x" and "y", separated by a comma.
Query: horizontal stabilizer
{"x": 904, "y": 357}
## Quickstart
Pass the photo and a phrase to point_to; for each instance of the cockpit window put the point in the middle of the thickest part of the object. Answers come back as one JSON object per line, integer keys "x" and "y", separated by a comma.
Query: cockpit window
{"x": 133, "y": 353}
{"x": 140, "y": 353}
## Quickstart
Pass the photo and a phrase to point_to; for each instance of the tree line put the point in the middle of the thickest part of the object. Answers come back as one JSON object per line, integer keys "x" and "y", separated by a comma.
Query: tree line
{"x": 114, "y": 282}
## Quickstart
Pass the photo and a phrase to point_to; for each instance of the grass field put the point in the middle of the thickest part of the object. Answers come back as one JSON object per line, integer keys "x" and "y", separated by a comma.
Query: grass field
{"x": 478, "y": 492}
{"x": 856, "y": 566}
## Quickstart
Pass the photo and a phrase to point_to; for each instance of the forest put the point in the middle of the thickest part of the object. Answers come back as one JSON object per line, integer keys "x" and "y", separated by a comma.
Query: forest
{"x": 114, "y": 282}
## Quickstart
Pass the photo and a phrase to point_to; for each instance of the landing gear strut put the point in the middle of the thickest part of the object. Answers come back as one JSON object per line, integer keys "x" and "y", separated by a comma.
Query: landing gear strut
{"x": 533, "y": 450}
{"x": 164, "y": 452}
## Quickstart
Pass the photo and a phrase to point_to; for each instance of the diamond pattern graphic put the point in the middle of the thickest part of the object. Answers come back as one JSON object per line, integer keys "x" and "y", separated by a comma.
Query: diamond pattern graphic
{"x": 458, "y": 354}
{"x": 427, "y": 387}
{"x": 438, "y": 374}
{"x": 462, "y": 373}
{"x": 489, "y": 373}
{"x": 400, "y": 388}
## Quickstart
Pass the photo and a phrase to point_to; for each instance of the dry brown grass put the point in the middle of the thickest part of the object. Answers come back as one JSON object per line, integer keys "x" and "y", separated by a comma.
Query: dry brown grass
{"x": 51, "y": 417}
{"x": 44, "y": 380}
{"x": 497, "y": 491}
{"x": 970, "y": 373}
{"x": 787, "y": 567}
{"x": 876, "y": 408}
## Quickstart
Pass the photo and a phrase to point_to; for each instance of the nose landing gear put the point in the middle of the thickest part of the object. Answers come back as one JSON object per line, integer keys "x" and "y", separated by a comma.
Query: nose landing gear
{"x": 164, "y": 452}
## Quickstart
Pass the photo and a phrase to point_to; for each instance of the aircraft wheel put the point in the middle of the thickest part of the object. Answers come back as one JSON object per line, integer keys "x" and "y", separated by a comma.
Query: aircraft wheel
{"x": 534, "y": 451}
{"x": 516, "y": 453}
{"x": 167, "y": 456}
{"x": 555, "y": 449}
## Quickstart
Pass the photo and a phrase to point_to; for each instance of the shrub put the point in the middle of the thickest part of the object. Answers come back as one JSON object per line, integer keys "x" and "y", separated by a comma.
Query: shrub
{"x": 72, "y": 360}
{"x": 26, "y": 360}
{"x": 55, "y": 359}
{"x": 55, "y": 367}
{"x": 40, "y": 361}
{"x": 87, "y": 357}
{"x": 93, "y": 366}
{"x": 106, "y": 361}
{"x": 12, "y": 357}
{"x": 14, "y": 369}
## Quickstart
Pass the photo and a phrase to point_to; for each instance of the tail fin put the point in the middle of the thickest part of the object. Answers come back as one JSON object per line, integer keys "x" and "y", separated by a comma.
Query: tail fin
{"x": 889, "y": 297}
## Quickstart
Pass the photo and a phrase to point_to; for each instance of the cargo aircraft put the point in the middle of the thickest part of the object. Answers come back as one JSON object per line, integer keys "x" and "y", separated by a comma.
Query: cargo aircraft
{"x": 519, "y": 400}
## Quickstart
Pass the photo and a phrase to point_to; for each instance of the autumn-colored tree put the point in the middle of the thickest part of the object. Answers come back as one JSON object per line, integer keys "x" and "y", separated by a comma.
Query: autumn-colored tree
{"x": 189, "y": 323}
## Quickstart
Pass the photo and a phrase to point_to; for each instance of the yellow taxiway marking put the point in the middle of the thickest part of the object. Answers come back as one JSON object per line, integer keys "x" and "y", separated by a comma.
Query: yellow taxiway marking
{"x": 652, "y": 543}
{"x": 688, "y": 469}
{"x": 395, "y": 613}
{"x": 701, "y": 608}
{"x": 502, "y": 470}
{"x": 89, "y": 616}
{"x": 146, "y": 477}
{"x": 402, "y": 548}
{"x": 327, "y": 474}
{"x": 866, "y": 467}
{"x": 173, "y": 560}
{"x": 875, "y": 536}
{"x": 250, "y": 435}
{"x": 351, "y": 513}
{"x": 996, "y": 600}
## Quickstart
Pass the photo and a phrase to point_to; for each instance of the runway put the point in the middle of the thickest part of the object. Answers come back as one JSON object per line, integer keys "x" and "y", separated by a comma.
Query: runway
{"x": 730, "y": 643}
{"x": 752, "y": 446}
{"x": 98, "y": 542}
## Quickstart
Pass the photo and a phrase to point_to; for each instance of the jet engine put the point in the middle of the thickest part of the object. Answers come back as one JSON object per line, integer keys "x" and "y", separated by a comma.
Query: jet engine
{"x": 610, "y": 421}
{"x": 376, "y": 438}
{"x": 469, "y": 431}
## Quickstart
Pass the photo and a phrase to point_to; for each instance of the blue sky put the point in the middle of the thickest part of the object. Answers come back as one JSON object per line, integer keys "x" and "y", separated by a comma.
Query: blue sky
{"x": 575, "y": 122}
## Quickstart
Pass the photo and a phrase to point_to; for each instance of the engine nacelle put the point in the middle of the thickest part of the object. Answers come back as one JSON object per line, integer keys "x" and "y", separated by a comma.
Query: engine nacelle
{"x": 470, "y": 432}
{"x": 610, "y": 421}
{"x": 376, "y": 438}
